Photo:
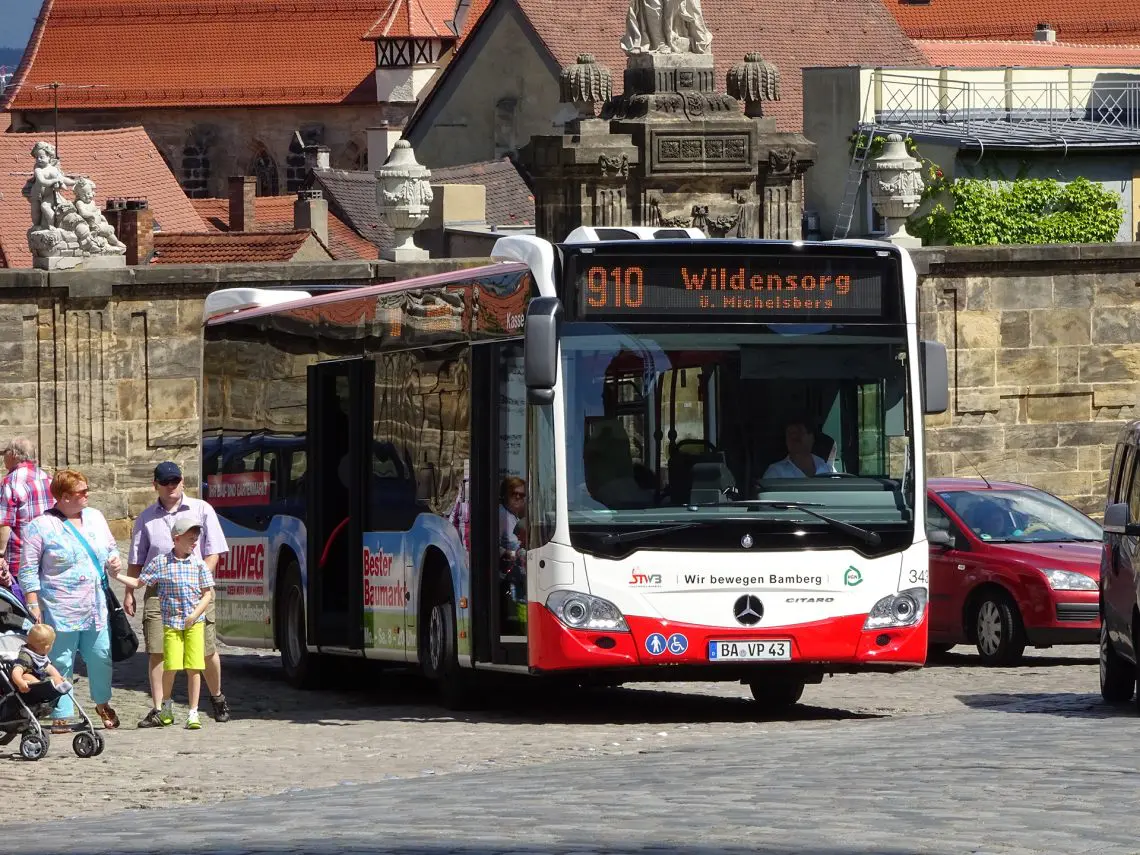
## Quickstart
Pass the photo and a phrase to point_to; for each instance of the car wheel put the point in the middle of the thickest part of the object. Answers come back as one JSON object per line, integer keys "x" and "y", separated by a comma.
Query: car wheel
{"x": 1117, "y": 676}
{"x": 999, "y": 631}
{"x": 778, "y": 694}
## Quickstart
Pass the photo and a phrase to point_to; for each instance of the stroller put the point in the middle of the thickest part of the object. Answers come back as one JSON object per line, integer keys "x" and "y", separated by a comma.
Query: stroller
{"x": 18, "y": 718}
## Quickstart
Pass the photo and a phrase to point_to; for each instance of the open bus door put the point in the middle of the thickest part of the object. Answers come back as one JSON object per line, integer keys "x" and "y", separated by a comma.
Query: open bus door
{"x": 339, "y": 407}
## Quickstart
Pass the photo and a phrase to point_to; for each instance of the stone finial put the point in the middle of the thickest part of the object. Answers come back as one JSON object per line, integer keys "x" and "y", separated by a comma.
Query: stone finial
{"x": 896, "y": 188}
{"x": 66, "y": 232}
{"x": 754, "y": 81}
{"x": 585, "y": 84}
{"x": 403, "y": 195}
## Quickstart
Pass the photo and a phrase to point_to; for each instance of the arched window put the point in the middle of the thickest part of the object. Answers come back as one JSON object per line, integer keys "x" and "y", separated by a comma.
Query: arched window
{"x": 265, "y": 170}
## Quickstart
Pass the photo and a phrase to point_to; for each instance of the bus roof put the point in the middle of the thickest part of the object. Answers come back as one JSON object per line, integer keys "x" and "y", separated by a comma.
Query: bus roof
{"x": 231, "y": 304}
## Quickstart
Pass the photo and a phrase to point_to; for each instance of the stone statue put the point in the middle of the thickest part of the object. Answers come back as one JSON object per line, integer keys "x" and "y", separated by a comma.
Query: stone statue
{"x": 99, "y": 229}
{"x": 404, "y": 197}
{"x": 665, "y": 26}
{"x": 64, "y": 233}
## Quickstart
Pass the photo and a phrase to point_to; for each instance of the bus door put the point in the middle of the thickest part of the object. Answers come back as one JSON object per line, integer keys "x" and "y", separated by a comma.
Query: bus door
{"x": 339, "y": 408}
{"x": 498, "y": 519}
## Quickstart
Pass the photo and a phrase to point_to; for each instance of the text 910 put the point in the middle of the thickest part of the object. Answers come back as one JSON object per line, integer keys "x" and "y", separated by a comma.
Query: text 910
{"x": 616, "y": 287}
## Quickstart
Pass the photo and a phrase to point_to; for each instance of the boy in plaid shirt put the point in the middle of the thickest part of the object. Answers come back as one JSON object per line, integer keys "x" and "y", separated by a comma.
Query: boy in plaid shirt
{"x": 185, "y": 589}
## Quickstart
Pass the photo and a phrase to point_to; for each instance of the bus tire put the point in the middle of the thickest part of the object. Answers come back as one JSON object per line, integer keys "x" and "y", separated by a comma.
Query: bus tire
{"x": 440, "y": 655}
{"x": 299, "y": 664}
{"x": 777, "y": 693}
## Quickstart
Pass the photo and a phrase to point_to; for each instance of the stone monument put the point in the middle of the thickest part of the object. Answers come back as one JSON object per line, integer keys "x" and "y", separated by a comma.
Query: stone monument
{"x": 896, "y": 189}
{"x": 670, "y": 150}
{"x": 67, "y": 234}
{"x": 404, "y": 195}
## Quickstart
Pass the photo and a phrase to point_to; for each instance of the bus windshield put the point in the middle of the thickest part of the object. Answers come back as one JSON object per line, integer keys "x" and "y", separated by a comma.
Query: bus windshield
{"x": 668, "y": 425}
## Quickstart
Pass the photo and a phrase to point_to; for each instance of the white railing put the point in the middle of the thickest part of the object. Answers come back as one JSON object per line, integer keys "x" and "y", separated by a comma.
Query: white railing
{"x": 1107, "y": 100}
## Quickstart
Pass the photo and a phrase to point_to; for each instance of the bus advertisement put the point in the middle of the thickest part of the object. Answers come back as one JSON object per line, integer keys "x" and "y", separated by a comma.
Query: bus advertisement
{"x": 640, "y": 454}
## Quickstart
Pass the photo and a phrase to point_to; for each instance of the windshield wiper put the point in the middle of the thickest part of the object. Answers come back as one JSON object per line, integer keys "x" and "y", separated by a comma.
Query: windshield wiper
{"x": 866, "y": 535}
{"x": 613, "y": 537}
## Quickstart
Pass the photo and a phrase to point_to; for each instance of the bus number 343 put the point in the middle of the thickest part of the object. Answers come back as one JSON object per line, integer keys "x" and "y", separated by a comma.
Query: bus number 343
{"x": 625, "y": 285}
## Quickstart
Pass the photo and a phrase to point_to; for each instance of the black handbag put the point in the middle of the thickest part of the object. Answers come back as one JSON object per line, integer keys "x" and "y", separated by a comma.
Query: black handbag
{"x": 124, "y": 642}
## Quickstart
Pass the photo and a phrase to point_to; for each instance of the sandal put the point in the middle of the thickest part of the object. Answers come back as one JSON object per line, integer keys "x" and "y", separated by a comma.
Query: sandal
{"x": 60, "y": 725}
{"x": 108, "y": 715}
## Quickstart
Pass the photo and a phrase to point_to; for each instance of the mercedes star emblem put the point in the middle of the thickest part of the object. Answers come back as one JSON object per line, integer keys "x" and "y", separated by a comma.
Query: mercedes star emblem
{"x": 746, "y": 541}
{"x": 748, "y": 610}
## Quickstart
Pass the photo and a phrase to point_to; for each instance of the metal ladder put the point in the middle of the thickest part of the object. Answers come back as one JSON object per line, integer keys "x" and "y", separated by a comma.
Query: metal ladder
{"x": 854, "y": 181}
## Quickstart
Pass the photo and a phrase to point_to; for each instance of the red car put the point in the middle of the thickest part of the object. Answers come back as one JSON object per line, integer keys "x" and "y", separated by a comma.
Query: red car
{"x": 1010, "y": 565}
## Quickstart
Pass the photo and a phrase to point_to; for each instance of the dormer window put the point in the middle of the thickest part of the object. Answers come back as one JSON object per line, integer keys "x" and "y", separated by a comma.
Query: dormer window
{"x": 404, "y": 53}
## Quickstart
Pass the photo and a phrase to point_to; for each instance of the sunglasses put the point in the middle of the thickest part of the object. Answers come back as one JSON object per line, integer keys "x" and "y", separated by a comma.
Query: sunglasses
{"x": 170, "y": 482}
{"x": 79, "y": 493}
{"x": 518, "y": 495}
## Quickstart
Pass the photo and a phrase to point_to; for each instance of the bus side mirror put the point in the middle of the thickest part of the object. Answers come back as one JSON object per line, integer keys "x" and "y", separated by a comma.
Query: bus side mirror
{"x": 540, "y": 348}
{"x": 935, "y": 377}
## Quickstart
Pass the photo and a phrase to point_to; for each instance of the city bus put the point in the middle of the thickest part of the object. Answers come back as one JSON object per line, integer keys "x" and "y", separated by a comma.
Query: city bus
{"x": 637, "y": 455}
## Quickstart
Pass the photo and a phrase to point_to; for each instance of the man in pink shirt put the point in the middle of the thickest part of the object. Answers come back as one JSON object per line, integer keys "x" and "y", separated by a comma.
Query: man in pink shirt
{"x": 25, "y": 493}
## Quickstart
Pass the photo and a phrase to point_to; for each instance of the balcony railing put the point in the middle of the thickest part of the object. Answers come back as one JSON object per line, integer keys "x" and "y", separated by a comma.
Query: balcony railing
{"x": 896, "y": 98}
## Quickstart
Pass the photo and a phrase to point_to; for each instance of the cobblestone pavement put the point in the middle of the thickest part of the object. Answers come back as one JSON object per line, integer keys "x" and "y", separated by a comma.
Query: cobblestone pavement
{"x": 384, "y": 726}
{"x": 953, "y": 759}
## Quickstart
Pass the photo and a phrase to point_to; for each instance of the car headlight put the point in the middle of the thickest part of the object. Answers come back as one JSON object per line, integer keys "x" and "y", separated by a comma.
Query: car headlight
{"x": 582, "y": 611}
{"x": 1068, "y": 580}
{"x": 905, "y": 608}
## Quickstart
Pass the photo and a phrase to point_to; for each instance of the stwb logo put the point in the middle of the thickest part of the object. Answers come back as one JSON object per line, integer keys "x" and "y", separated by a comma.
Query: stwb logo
{"x": 638, "y": 579}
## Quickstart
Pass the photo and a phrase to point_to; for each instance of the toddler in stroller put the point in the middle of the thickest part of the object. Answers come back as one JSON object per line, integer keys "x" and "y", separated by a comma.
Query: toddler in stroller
{"x": 30, "y": 686}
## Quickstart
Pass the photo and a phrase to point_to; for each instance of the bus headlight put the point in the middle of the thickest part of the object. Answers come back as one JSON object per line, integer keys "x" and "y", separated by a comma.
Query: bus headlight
{"x": 905, "y": 608}
{"x": 582, "y": 611}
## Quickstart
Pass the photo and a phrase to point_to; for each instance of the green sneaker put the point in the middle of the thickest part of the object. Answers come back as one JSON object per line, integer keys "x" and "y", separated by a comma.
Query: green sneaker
{"x": 166, "y": 716}
{"x": 192, "y": 722}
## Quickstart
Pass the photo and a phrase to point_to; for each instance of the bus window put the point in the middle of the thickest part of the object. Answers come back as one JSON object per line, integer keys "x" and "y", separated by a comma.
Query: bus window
{"x": 512, "y": 496}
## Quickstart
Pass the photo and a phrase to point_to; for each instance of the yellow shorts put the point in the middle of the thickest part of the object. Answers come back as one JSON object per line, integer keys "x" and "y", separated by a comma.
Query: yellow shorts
{"x": 184, "y": 649}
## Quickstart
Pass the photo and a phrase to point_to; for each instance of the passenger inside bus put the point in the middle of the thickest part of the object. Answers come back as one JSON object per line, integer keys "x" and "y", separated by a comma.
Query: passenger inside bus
{"x": 611, "y": 474}
{"x": 512, "y": 552}
{"x": 801, "y": 462}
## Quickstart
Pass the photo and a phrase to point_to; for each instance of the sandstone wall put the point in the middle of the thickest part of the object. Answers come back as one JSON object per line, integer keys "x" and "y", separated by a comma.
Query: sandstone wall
{"x": 103, "y": 369}
{"x": 1044, "y": 351}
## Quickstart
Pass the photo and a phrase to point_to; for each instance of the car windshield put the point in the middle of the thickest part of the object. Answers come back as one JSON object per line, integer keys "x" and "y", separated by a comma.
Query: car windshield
{"x": 671, "y": 425}
{"x": 1020, "y": 516}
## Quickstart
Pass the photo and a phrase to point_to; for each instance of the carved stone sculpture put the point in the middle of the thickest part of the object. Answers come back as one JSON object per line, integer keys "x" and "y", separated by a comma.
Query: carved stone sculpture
{"x": 896, "y": 189}
{"x": 754, "y": 81}
{"x": 665, "y": 26}
{"x": 403, "y": 195}
{"x": 66, "y": 233}
{"x": 585, "y": 84}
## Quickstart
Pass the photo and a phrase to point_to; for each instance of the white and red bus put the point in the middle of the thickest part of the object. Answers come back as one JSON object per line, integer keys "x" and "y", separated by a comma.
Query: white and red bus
{"x": 636, "y": 455}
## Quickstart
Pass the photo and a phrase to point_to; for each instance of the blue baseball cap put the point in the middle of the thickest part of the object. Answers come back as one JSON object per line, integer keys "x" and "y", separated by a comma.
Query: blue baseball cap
{"x": 167, "y": 471}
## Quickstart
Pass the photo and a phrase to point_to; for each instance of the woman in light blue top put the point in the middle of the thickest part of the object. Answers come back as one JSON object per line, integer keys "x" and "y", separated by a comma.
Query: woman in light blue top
{"x": 64, "y": 587}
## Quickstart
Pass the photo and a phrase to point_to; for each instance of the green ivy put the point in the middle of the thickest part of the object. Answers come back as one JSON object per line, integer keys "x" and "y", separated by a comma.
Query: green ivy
{"x": 1024, "y": 211}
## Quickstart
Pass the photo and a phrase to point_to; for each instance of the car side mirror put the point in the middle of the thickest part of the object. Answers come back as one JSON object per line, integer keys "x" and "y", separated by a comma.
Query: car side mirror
{"x": 941, "y": 538}
{"x": 1117, "y": 520}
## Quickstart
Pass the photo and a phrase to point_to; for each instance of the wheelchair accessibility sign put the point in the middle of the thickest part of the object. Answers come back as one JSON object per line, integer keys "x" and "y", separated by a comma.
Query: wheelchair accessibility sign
{"x": 657, "y": 644}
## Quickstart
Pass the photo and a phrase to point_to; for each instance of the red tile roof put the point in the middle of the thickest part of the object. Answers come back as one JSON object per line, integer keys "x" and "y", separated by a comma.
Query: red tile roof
{"x": 227, "y": 247}
{"x": 419, "y": 18}
{"x": 137, "y": 53}
{"x": 1031, "y": 54}
{"x": 122, "y": 162}
{"x": 1076, "y": 21}
{"x": 793, "y": 34}
{"x": 275, "y": 214}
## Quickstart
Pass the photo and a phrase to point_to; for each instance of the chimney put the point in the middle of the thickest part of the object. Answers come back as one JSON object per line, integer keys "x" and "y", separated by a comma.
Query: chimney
{"x": 1044, "y": 33}
{"x": 243, "y": 192}
{"x": 311, "y": 213}
{"x": 317, "y": 157}
{"x": 381, "y": 141}
{"x": 133, "y": 222}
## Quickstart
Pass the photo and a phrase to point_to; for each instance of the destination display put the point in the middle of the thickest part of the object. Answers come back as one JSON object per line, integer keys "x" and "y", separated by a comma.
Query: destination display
{"x": 732, "y": 286}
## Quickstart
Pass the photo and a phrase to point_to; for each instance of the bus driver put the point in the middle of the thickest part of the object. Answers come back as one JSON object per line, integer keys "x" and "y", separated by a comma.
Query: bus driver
{"x": 800, "y": 462}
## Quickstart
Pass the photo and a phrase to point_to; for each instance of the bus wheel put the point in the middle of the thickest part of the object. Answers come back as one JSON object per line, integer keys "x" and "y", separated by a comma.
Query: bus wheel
{"x": 441, "y": 656}
{"x": 777, "y": 694}
{"x": 300, "y": 667}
